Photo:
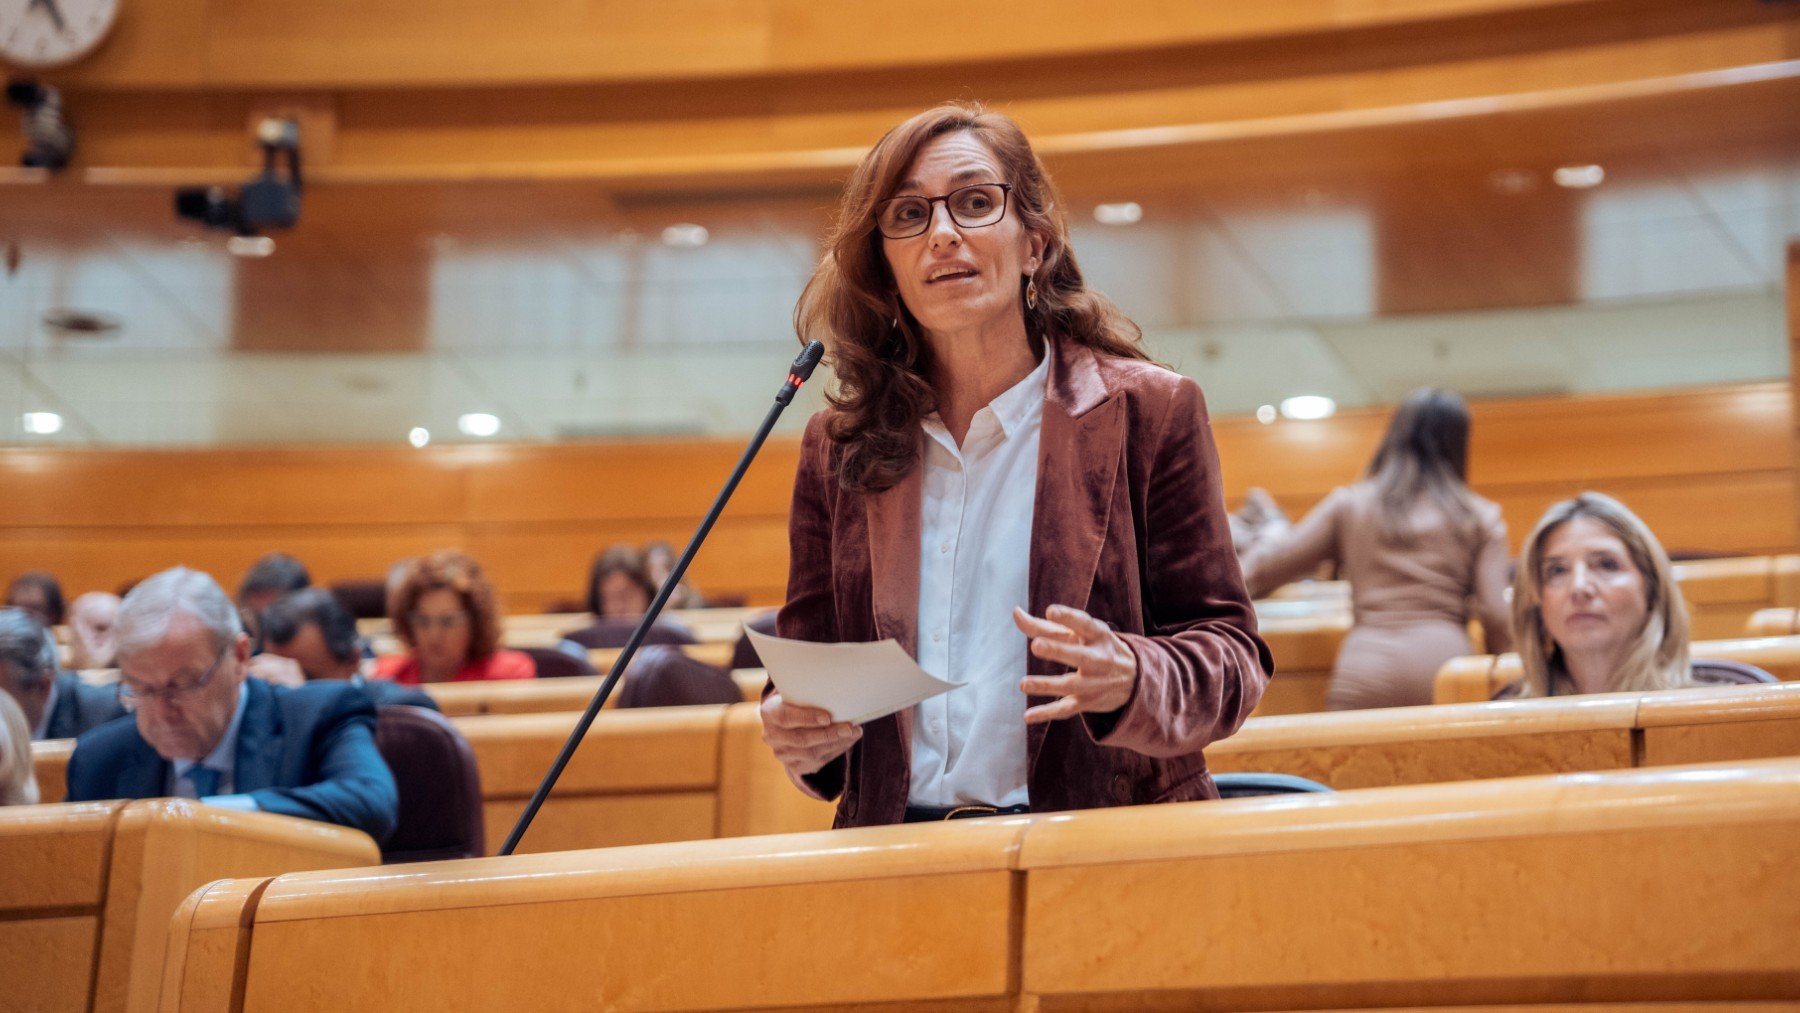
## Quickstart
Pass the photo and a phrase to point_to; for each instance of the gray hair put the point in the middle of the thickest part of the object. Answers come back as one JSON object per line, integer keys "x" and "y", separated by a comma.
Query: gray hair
{"x": 26, "y": 648}
{"x": 146, "y": 612}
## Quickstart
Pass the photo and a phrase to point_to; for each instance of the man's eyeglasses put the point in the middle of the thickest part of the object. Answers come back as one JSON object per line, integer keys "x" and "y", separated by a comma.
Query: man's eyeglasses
{"x": 972, "y": 207}
{"x": 448, "y": 621}
{"x": 133, "y": 695}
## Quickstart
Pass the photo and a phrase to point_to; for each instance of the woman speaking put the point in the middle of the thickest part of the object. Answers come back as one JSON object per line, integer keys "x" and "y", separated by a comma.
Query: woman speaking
{"x": 1008, "y": 487}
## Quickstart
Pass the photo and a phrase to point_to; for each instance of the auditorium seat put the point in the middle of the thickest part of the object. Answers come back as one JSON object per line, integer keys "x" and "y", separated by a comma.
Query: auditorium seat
{"x": 662, "y": 676}
{"x": 1249, "y": 784}
{"x": 440, "y": 786}
{"x": 743, "y": 653}
{"x": 605, "y": 632}
{"x": 553, "y": 663}
{"x": 1720, "y": 672}
{"x": 364, "y": 599}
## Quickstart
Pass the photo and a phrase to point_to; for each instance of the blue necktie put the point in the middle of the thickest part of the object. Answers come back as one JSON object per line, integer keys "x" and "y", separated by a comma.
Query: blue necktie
{"x": 204, "y": 779}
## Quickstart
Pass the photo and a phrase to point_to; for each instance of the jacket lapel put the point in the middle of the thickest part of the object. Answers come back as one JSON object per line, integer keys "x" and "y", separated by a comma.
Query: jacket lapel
{"x": 1080, "y": 452}
{"x": 144, "y": 774}
{"x": 259, "y": 739}
{"x": 893, "y": 529}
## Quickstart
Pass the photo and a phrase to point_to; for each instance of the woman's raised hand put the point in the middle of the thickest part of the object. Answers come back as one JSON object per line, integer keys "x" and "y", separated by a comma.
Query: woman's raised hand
{"x": 1104, "y": 669}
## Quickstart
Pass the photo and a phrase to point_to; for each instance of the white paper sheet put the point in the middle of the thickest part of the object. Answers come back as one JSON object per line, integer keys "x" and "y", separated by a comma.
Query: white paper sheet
{"x": 855, "y": 682}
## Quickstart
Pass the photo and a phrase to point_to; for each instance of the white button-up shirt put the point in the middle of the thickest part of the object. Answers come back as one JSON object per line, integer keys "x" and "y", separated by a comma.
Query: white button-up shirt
{"x": 968, "y": 745}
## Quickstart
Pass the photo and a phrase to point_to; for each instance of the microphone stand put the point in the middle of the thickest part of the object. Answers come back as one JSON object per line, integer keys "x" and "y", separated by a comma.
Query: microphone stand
{"x": 798, "y": 374}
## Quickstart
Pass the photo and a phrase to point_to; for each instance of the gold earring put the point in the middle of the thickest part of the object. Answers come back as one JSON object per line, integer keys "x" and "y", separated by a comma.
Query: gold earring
{"x": 1031, "y": 293}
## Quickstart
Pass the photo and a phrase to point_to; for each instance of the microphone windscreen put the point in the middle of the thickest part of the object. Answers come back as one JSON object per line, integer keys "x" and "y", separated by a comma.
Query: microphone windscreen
{"x": 809, "y": 360}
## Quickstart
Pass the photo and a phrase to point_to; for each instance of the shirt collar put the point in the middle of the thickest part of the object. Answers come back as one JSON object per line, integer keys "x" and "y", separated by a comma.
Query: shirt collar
{"x": 43, "y": 724}
{"x": 223, "y": 757}
{"x": 1014, "y": 409}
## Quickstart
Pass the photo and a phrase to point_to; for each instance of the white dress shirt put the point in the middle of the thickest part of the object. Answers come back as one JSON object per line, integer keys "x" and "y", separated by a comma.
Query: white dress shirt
{"x": 968, "y": 745}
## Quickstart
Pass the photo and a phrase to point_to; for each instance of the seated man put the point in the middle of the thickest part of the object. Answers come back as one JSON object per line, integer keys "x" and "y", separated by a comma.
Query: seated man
{"x": 205, "y": 731}
{"x": 91, "y": 620}
{"x": 308, "y": 636}
{"x": 56, "y": 705}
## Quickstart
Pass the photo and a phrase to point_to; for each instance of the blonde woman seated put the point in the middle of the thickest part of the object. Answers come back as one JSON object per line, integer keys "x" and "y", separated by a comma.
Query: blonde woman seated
{"x": 1596, "y": 608}
{"x": 18, "y": 784}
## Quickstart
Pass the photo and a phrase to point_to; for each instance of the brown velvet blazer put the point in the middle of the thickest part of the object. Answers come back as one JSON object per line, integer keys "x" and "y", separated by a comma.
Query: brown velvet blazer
{"x": 1129, "y": 525}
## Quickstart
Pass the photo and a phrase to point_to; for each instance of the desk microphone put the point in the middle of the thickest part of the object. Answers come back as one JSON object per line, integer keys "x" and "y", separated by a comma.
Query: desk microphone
{"x": 798, "y": 373}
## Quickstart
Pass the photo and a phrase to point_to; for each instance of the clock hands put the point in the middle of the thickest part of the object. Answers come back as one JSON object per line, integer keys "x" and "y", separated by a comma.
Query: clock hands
{"x": 50, "y": 7}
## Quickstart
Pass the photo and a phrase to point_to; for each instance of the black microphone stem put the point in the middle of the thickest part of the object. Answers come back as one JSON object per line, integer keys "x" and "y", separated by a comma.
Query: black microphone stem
{"x": 801, "y": 370}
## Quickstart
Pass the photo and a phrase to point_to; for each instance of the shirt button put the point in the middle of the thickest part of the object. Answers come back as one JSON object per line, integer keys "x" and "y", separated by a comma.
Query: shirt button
{"x": 944, "y": 547}
{"x": 937, "y": 637}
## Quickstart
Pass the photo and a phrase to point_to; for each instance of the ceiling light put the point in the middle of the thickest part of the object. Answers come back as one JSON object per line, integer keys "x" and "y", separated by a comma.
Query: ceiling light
{"x": 1126, "y": 213}
{"x": 250, "y": 246}
{"x": 685, "y": 235}
{"x": 478, "y": 424}
{"x": 420, "y": 436}
{"x": 1308, "y": 406}
{"x": 41, "y": 423}
{"x": 1265, "y": 414}
{"x": 1579, "y": 177}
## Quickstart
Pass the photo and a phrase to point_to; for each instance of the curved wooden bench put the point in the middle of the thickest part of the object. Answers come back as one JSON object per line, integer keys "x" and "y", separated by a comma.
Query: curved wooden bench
{"x": 1775, "y": 622}
{"x": 1478, "y": 677}
{"x": 548, "y": 696}
{"x": 1526, "y": 891}
{"x": 1630, "y": 886}
{"x": 641, "y": 775}
{"x": 89, "y": 888}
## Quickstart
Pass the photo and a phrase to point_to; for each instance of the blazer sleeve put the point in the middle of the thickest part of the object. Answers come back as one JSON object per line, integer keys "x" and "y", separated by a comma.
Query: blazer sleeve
{"x": 352, "y": 786}
{"x": 1296, "y": 552}
{"x": 1201, "y": 668}
{"x": 811, "y": 609}
{"x": 1492, "y": 574}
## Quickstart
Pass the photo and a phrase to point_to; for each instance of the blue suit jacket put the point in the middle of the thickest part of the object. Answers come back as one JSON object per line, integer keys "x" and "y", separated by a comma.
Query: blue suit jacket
{"x": 308, "y": 751}
{"x": 80, "y": 707}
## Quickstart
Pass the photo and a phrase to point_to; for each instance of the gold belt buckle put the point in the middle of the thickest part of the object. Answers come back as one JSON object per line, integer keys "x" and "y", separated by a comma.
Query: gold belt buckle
{"x": 985, "y": 810}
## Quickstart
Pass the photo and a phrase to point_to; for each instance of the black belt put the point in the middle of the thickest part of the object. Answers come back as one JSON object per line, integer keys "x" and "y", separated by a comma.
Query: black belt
{"x": 932, "y": 814}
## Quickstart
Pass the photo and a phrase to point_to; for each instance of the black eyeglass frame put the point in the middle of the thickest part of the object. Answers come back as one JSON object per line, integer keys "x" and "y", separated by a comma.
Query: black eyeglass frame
{"x": 131, "y": 699}
{"x": 925, "y": 223}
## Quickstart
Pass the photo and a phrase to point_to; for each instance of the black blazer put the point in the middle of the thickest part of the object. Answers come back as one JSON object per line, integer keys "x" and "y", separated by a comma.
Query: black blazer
{"x": 307, "y": 751}
{"x": 80, "y": 707}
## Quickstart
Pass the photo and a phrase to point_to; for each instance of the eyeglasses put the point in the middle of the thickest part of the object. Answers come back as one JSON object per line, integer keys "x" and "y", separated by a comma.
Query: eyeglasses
{"x": 447, "y": 621}
{"x": 972, "y": 207}
{"x": 132, "y": 696}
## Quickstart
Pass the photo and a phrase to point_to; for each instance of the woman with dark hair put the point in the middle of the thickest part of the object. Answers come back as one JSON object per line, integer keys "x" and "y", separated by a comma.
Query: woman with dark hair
{"x": 1005, "y": 484}
{"x": 444, "y": 610}
{"x": 37, "y": 592}
{"x": 619, "y": 585}
{"x": 1418, "y": 548}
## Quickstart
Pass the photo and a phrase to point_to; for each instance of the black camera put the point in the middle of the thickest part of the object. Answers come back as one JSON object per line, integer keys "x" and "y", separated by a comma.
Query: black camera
{"x": 269, "y": 201}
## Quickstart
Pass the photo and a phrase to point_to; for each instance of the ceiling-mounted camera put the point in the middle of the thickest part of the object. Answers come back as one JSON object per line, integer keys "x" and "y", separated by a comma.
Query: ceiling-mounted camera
{"x": 49, "y": 140}
{"x": 271, "y": 200}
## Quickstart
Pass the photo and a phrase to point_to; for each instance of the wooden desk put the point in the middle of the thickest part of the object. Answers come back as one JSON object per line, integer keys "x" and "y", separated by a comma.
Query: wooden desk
{"x": 1479, "y": 676}
{"x": 89, "y": 889}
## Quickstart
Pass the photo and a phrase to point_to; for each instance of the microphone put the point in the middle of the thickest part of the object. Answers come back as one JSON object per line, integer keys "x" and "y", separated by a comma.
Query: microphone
{"x": 798, "y": 374}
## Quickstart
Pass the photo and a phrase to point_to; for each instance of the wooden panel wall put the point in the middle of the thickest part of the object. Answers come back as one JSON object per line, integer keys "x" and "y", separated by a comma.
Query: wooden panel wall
{"x": 407, "y": 89}
{"x": 1710, "y": 468}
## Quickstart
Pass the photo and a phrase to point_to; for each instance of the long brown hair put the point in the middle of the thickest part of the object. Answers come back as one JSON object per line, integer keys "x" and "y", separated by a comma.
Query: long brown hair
{"x": 1659, "y": 658}
{"x": 878, "y": 353}
{"x": 1425, "y": 453}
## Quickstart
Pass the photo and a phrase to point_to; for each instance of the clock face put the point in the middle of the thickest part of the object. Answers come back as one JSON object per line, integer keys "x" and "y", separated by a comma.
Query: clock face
{"x": 51, "y": 33}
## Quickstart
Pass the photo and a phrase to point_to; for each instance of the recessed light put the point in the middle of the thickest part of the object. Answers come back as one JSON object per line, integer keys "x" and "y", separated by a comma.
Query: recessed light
{"x": 250, "y": 246}
{"x": 1124, "y": 213}
{"x": 420, "y": 436}
{"x": 478, "y": 424}
{"x": 1308, "y": 406}
{"x": 1266, "y": 414}
{"x": 41, "y": 423}
{"x": 1579, "y": 177}
{"x": 685, "y": 235}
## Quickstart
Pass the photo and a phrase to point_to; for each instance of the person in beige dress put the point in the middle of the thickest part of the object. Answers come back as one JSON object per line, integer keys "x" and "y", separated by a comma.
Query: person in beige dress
{"x": 1421, "y": 552}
